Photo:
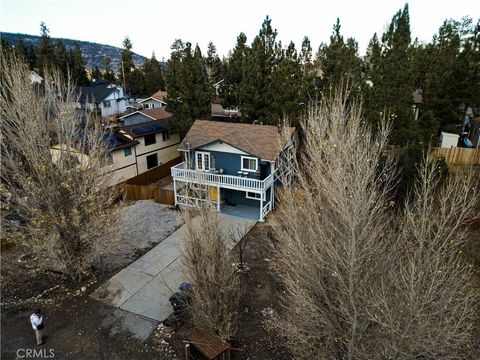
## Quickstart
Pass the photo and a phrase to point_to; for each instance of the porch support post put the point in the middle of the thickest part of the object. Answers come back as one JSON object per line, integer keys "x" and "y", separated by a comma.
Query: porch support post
{"x": 218, "y": 198}
{"x": 261, "y": 208}
{"x": 175, "y": 190}
{"x": 272, "y": 195}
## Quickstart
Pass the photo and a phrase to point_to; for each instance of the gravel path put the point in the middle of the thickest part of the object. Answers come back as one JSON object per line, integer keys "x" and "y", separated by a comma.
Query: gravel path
{"x": 144, "y": 224}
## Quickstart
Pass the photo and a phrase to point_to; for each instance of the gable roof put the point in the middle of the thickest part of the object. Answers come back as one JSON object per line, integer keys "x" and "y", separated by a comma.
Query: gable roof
{"x": 159, "y": 96}
{"x": 263, "y": 141}
{"x": 93, "y": 94}
{"x": 153, "y": 114}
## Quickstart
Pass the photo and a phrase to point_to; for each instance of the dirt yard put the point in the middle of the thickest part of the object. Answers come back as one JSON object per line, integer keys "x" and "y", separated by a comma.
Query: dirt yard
{"x": 79, "y": 327}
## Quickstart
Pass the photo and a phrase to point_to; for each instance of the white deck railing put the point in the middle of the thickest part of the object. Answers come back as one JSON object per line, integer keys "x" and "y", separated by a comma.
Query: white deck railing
{"x": 225, "y": 181}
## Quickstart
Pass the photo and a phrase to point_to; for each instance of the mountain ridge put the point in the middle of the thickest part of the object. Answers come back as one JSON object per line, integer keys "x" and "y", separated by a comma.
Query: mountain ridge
{"x": 92, "y": 52}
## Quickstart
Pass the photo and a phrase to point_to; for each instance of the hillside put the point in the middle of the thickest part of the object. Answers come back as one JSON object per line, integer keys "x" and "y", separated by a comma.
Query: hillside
{"x": 92, "y": 52}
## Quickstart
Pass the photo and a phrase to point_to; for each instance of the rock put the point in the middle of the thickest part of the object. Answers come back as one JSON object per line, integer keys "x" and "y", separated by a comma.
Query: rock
{"x": 83, "y": 288}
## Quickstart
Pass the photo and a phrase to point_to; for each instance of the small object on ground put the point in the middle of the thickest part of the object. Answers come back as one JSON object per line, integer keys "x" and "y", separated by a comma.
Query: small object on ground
{"x": 14, "y": 219}
{"x": 180, "y": 301}
{"x": 268, "y": 311}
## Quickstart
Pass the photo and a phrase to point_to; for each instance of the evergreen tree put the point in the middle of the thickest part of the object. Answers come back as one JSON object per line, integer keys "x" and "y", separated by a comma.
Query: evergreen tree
{"x": 62, "y": 59}
{"x": 107, "y": 70}
{"x": 153, "y": 75}
{"x": 339, "y": 62}
{"x": 397, "y": 83}
{"x": 46, "y": 50}
{"x": 257, "y": 72}
{"x": 126, "y": 63}
{"x": 372, "y": 88}
{"x": 78, "y": 67}
{"x": 136, "y": 82}
{"x": 233, "y": 71}
{"x": 451, "y": 79}
{"x": 95, "y": 73}
{"x": 285, "y": 87}
{"x": 187, "y": 86}
{"x": 213, "y": 65}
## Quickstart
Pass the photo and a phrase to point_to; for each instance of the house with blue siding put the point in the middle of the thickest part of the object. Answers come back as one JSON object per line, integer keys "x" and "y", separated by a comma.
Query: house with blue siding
{"x": 236, "y": 167}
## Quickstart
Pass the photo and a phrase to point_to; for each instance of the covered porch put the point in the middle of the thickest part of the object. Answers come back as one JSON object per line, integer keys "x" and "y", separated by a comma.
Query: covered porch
{"x": 243, "y": 211}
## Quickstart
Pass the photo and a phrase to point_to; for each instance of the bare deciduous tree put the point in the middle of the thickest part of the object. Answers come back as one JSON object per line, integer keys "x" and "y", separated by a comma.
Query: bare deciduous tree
{"x": 53, "y": 163}
{"x": 208, "y": 265}
{"x": 362, "y": 281}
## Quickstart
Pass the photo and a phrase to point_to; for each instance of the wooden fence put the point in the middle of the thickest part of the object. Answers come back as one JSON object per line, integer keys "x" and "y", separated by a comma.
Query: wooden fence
{"x": 156, "y": 174}
{"x": 147, "y": 192}
{"x": 457, "y": 156}
{"x": 148, "y": 186}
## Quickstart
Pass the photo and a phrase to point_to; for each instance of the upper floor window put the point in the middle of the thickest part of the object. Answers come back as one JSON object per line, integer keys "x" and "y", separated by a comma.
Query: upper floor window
{"x": 202, "y": 161}
{"x": 166, "y": 135}
{"x": 150, "y": 139}
{"x": 127, "y": 151}
{"x": 249, "y": 163}
{"x": 106, "y": 103}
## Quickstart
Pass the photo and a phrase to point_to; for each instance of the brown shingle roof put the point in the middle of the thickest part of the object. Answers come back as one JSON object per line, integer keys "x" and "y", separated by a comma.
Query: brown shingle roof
{"x": 263, "y": 141}
{"x": 155, "y": 113}
{"x": 160, "y": 95}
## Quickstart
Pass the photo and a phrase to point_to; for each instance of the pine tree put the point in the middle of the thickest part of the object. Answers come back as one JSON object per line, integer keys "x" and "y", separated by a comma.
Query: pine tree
{"x": 78, "y": 67}
{"x": 153, "y": 73}
{"x": 126, "y": 63}
{"x": 257, "y": 71}
{"x": 46, "y": 50}
{"x": 186, "y": 81}
{"x": 233, "y": 71}
{"x": 285, "y": 87}
{"x": 107, "y": 70}
{"x": 95, "y": 73}
{"x": 213, "y": 65}
{"x": 62, "y": 59}
{"x": 339, "y": 62}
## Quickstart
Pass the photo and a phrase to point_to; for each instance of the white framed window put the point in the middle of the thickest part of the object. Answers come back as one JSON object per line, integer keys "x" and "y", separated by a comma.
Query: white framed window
{"x": 249, "y": 163}
{"x": 106, "y": 103}
{"x": 202, "y": 161}
{"x": 255, "y": 196}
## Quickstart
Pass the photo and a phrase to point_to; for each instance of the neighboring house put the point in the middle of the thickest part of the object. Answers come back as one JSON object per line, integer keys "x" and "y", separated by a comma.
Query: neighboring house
{"x": 123, "y": 160}
{"x": 144, "y": 115}
{"x": 157, "y": 100}
{"x": 234, "y": 166}
{"x": 104, "y": 98}
{"x": 219, "y": 113}
{"x": 155, "y": 145}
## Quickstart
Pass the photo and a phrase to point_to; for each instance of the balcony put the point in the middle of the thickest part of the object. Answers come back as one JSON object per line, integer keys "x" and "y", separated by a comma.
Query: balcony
{"x": 180, "y": 173}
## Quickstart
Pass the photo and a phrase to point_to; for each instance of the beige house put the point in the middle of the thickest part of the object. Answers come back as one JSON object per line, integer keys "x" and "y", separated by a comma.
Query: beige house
{"x": 154, "y": 147}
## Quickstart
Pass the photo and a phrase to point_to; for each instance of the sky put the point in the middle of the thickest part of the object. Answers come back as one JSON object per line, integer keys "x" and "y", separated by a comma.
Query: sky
{"x": 153, "y": 25}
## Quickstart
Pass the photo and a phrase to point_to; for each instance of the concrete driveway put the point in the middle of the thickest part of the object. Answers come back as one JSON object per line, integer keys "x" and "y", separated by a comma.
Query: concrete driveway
{"x": 144, "y": 286}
